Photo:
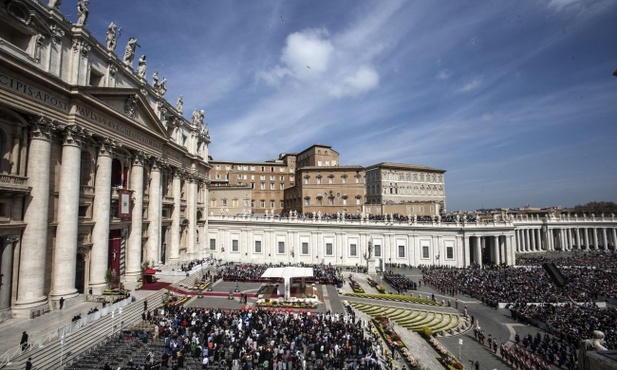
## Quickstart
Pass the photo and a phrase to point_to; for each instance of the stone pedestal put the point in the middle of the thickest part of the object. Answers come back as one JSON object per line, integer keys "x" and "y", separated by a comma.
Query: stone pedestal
{"x": 602, "y": 360}
{"x": 370, "y": 266}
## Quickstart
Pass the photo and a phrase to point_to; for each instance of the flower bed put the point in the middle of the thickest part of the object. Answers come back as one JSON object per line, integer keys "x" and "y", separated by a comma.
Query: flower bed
{"x": 394, "y": 340}
{"x": 355, "y": 286}
{"x": 447, "y": 359}
{"x": 276, "y": 303}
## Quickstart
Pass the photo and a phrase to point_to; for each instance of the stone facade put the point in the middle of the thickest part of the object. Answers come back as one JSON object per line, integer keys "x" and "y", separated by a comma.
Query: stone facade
{"x": 98, "y": 171}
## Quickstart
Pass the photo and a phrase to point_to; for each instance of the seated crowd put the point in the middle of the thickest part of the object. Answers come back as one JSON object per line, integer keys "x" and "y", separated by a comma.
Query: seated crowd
{"x": 568, "y": 316}
{"x": 326, "y": 274}
{"x": 399, "y": 282}
{"x": 238, "y": 339}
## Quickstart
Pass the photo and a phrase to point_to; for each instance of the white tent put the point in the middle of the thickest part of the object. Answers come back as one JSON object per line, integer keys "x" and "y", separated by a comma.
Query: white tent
{"x": 288, "y": 273}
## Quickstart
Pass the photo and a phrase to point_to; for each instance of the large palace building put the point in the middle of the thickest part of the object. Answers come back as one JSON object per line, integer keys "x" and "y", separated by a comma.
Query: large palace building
{"x": 101, "y": 176}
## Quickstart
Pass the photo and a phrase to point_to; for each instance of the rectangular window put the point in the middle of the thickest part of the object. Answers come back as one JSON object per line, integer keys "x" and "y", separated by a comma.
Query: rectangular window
{"x": 306, "y": 180}
{"x": 281, "y": 247}
{"x": 257, "y": 246}
{"x": 234, "y": 245}
{"x": 425, "y": 251}
{"x": 272, "y": 186}
{"x": 449, "y": 252}
{"x": 262, "y": 204}
{"x": 212, "y": 244}
{"x": 377, "y": 250}
{"x": 352, "y": 250}
{"x": 271, "y": 204}
{"x": 319, "y": 181}
{"x": 305, "y": 249}
{"x": 401, "y": 251}
{"x": 344, "y": 180}
{"x": 224, "y": 202}
{"x": 307, "y": 202}
{"x": 328, "y": 249}
{"x": 330, "y": 180}
{"x": 344, "y": 201}
{"x": 331, "y": 201}
{"x": 262, "y": 186}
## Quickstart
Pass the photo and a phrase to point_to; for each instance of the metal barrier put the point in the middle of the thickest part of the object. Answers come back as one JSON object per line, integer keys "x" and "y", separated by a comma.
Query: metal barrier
{"x": 59, "y": 334}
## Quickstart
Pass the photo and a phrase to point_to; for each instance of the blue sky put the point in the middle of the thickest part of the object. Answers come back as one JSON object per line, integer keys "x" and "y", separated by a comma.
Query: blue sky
{"x": 514, "y": 99}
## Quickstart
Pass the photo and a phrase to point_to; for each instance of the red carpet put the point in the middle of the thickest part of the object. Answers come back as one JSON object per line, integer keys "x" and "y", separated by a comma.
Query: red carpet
{"x": 155, "y": 286}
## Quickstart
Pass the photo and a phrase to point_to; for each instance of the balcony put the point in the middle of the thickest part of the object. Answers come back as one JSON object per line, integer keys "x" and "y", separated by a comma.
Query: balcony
{"x": 14, "y": 183}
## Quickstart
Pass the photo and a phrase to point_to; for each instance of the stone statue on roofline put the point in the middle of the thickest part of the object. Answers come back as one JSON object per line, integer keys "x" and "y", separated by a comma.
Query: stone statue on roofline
{"x": 129, "y": 51}
{"x": 198, "y": 117}
{"x": 111, "y": 39}
{"x": 55, "y": 3}
{"x": 82, "y": 12}
{"x": 179, "y": 104}
{"x": 141, "y": 67}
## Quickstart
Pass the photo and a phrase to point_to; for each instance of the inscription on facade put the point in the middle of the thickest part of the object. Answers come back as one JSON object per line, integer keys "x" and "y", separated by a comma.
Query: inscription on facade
{"x": 32, "y": 92}
{"x": 115, "y": 126}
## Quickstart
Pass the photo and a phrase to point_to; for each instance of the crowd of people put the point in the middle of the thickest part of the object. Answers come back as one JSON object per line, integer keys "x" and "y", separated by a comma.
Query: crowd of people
{"x": 245, "y": 339}
{"x": 568, "y": 315}
{"x": 240, "y": 272}
{"x": 399, "y": 282}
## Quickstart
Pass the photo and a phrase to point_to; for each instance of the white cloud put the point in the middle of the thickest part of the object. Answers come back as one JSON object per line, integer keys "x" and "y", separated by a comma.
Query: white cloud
{"x": 471, "y": 85}
{"x": 309, "y": 49}
{"x": 561, "y": 4}
{"x": 315, "y": 61}
{"x": 364, "y": 79}
{"x": 444, "y": 74}
{"x": 305, "y": 56}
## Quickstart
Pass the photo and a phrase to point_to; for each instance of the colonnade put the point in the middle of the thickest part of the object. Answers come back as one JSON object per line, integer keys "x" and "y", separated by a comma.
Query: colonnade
{"x": 546, "y": 237}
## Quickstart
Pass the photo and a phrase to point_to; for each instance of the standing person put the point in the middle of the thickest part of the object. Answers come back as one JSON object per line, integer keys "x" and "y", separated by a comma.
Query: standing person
{"x": 61, "y": 302}
{"x": 24, "y": 341}
{"x": 145, "y": 305}
{"x": 29, "y": 364}
{"x": 477, "y": 365}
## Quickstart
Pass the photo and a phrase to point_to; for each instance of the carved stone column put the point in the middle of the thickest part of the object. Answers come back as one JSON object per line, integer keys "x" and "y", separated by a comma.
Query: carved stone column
{"x": 153, "y": 245}
{"x": 31, "y": 284}
{"x": 478, "y": 250}
{"x": 174, "y": 240}
{"x": 101, "y": 214}
{"x": 65, "y": 250}
{"x": 7, "y": 270}
{"x": 191, "y": 215}
{"x": 133, "y": 253}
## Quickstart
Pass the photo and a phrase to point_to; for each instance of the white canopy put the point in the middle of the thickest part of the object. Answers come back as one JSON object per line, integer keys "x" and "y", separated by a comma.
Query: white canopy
{"x": 288, "y": 272}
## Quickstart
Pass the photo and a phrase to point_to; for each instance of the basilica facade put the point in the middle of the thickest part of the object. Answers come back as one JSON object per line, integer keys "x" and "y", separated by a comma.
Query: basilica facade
{"x": 99, "y": 173}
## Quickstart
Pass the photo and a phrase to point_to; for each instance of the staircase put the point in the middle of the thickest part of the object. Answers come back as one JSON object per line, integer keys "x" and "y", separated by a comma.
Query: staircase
{"x": 56, "y": 354}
